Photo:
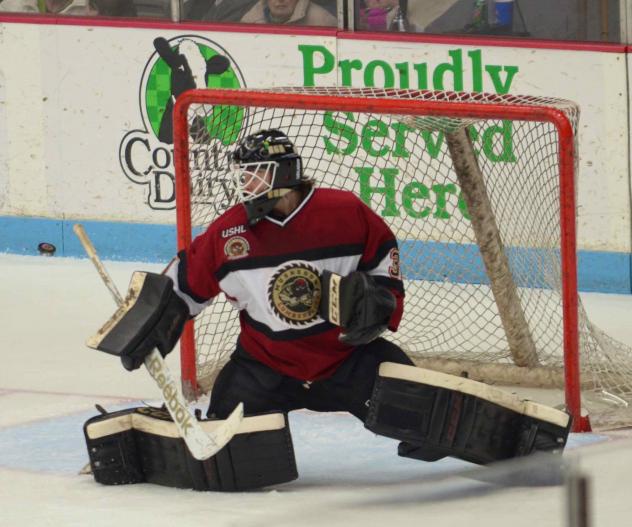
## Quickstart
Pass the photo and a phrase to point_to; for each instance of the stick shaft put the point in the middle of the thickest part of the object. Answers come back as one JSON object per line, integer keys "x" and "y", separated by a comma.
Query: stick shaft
{"x": 94, "y": 257}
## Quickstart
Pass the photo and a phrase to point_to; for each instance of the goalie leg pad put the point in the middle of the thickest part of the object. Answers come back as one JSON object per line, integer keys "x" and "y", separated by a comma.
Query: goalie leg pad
{"x": 113, "y": 457}
{"x": 438, "y": 415}
{"x": 142, "y": 445}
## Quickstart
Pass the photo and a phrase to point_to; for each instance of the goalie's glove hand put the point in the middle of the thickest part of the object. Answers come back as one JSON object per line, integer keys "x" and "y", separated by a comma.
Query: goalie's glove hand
{"x": 152, "y": 316}
{"x": 357, "y": 304}
{"x": 164, "y": 335}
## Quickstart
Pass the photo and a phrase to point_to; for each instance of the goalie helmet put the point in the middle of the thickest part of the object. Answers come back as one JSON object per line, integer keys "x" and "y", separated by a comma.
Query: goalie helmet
{"x": 265, "y": 167}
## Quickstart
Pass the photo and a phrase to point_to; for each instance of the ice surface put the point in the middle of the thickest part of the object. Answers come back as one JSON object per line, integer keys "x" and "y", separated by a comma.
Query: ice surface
{"x": 50, "y": 381}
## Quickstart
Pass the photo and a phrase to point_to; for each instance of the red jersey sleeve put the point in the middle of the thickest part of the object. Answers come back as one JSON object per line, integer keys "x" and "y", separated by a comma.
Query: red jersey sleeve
{"x": 196, "y": 269}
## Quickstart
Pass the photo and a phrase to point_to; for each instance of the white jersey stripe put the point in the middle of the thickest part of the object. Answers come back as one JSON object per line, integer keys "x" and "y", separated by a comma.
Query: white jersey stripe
{"x": 245, "y": 286}
{"x": 194, "y": 307}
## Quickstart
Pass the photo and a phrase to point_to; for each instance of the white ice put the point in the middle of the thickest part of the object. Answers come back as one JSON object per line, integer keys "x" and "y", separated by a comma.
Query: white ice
{"x": 50, "y": 381}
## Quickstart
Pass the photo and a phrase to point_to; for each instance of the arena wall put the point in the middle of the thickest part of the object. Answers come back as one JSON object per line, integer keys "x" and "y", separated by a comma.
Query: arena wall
{"x": 78, "y": 132}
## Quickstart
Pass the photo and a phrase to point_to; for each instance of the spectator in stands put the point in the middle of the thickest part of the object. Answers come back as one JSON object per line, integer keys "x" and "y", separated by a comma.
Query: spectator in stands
{"x": 377, "y": 15}
{"x": 408, "y": 15}
{"x": 290, "y": 12}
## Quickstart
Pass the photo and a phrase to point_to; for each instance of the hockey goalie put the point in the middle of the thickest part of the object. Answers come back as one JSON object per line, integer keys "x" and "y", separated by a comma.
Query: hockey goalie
{"x": 315, "y": 275}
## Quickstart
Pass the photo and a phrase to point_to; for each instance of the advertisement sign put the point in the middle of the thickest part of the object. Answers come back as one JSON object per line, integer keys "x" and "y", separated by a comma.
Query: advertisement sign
{"x": 88, "y": 133}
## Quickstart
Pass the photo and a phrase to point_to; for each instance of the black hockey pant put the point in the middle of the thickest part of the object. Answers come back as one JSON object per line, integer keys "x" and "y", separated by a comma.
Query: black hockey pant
{"x": 262, "y": 389}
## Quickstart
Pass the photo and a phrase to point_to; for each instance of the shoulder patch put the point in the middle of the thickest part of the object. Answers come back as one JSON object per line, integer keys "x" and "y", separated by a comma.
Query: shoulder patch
{"x": 236, "y": 247}
{"x": 394, "y": 269}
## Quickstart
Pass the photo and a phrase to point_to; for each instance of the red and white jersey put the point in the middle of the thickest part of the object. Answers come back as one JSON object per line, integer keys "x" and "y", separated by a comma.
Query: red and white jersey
{"x": 270, "y": 272}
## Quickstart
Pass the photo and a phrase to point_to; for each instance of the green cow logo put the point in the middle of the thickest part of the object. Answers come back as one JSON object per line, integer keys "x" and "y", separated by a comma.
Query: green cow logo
{"x": 179, "y": 64}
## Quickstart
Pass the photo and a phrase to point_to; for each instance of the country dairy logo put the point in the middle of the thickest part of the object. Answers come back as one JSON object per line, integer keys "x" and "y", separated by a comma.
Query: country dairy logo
{"x": 179, "y": 64}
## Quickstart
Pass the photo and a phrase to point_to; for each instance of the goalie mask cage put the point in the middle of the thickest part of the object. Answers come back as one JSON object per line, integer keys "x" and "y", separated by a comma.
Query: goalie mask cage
{"x": 479, "y": 190}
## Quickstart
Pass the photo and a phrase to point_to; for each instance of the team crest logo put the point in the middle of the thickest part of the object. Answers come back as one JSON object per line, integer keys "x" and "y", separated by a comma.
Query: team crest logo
{"x": 394, "y": 269}
{"x": 294, "y": 293}
{"x": 236, "y": 247}
{"x": 146, "y": 155}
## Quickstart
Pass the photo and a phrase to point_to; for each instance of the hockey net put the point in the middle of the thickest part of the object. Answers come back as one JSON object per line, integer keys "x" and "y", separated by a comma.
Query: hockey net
{"x": 479, "y": 191}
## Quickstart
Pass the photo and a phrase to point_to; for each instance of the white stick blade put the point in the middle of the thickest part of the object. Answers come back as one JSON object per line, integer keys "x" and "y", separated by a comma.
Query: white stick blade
{"x": 204, "y": 445}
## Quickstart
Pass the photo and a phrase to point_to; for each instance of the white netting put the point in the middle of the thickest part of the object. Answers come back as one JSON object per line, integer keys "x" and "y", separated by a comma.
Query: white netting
{"x": 401, "y": 166}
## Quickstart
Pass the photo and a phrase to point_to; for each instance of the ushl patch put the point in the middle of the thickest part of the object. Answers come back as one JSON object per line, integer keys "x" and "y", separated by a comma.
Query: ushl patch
{"x": 232, "y": 231}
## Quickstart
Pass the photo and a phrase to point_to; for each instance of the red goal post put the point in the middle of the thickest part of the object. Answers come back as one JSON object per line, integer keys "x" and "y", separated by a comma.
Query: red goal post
{"x": 453, "y": 112}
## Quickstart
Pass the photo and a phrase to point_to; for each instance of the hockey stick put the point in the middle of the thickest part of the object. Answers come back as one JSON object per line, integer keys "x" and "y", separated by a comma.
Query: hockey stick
{"x": 98, "y": 264}
{"x": 201, "y": 445}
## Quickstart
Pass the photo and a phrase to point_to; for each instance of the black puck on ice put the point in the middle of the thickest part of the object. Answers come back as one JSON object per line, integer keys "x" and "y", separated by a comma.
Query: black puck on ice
{"x": 46, "y": 249}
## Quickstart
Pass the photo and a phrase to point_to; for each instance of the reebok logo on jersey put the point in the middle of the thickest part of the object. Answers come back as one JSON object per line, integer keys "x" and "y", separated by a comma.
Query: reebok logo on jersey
{"x": 231, "y": 231}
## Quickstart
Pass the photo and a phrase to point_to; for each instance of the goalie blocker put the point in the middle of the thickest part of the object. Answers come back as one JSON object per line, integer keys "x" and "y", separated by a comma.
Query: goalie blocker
{"x": 356, "y": 303}
{"x": 143, "y": 445}
{"x": 438, "y": 415}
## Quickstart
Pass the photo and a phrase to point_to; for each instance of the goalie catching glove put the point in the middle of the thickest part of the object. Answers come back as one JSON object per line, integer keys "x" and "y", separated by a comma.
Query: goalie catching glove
{"x": 356, "y": 303}
{"x": 151, "y": 316}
